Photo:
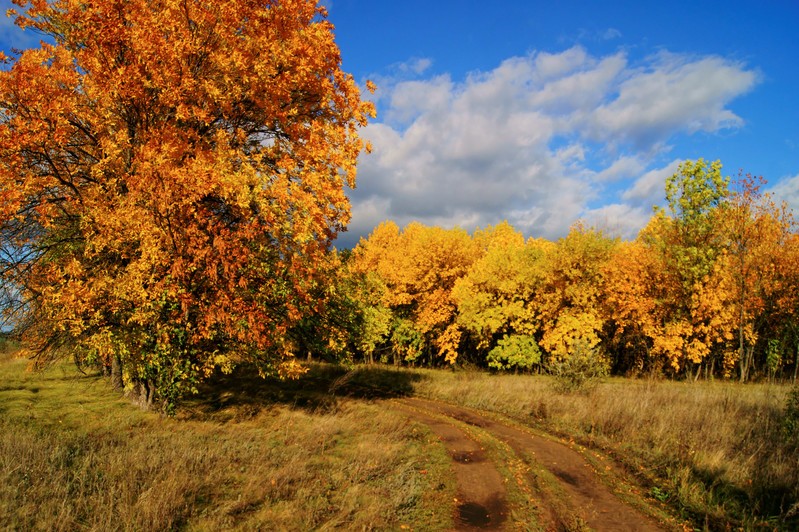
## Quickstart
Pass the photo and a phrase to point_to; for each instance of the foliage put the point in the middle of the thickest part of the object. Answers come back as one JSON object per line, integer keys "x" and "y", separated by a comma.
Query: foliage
{"x": 705, "y": 289}
{"x": 570, "y": 301}
{"x": 688, "y": 242}
{"x": 172, "y": 174}
{"x": 497, "y": 295}
{"x": 419, "y": 267}
{"x": 514, "y": 352}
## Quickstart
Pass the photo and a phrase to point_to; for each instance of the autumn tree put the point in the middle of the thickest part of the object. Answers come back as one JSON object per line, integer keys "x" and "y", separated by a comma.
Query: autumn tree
{"x": 756, "y": 230}
{"x": 171, "y": 173}
{"x": 687, "y": 239}
{"x": 569, "y": 306}
{"x": 419, "y": 267}
{"x": 634, "y": 289}
{"x": 496, "y": 297}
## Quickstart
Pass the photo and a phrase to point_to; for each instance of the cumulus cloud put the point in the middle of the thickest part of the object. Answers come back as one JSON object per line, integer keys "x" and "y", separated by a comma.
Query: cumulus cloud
{"x": 618, "y": 219}
{"x": 650, "y": 188}
{"x": 672, "y": 95}
{"x": 625, "y": 167}
{"x": 541, "y": 140}
{"x": 787, "y": 190}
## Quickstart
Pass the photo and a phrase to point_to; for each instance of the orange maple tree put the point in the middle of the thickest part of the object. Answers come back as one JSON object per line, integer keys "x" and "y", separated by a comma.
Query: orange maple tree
{"x": 171, "y": 172}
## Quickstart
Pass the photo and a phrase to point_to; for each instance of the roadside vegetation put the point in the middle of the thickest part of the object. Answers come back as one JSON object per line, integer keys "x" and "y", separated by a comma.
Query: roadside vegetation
{"x": 75, "y": 455}
{"x": 722, "y": 454}
{"x": 324, "y": 452}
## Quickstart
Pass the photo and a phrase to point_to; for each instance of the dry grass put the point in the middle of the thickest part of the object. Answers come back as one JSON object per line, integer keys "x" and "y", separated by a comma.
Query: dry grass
{"x": 714, "y": 450}
{"x": 73, "y": 455}
{"x": 294, "y": 456}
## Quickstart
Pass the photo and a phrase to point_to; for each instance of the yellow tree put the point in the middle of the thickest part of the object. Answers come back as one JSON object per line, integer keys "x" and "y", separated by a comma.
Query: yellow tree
{"x": 569, "y": 304}
{"x": 756, "y": 230}
{"x": 419, "y": 267}
{"x": 687, "y": 239}
{"x": 634, "y": 287}
{"x": 495, "y": 298}
{"x": 170, "y": 174}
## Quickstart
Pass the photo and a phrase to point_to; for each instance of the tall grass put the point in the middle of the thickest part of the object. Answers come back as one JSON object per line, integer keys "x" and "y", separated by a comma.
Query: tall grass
{"x": 249, "y": 454}
{"x": 74, "y": 455}
{"x": 715, "y": 450}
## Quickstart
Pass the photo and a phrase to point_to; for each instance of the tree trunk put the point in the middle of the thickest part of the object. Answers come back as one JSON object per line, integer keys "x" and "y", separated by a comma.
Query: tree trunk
{"x": 143, "y": 394}
{"x": 741, "y": 351}
{"x": 116, "y": 373}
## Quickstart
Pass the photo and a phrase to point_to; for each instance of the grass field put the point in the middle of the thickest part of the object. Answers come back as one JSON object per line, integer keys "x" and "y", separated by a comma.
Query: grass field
{"x": 74, "y": 455}
{"x": 320, "y": 453}
{"x": 717, "y": 452}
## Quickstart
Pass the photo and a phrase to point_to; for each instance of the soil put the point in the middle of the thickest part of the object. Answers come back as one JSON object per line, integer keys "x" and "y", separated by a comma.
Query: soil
{"x": 578, "y": 499}
{"x": 480, "y": 503}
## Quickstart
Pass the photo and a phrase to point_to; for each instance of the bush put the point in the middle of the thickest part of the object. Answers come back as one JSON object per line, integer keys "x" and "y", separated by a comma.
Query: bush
{"x": 582, "y": 370}
{"x": 515, "y": 352}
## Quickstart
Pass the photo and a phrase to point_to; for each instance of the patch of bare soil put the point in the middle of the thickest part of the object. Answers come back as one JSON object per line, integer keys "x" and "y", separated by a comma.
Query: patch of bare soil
{"x": 580, "y": 498}
{"x": 480, "y": 503}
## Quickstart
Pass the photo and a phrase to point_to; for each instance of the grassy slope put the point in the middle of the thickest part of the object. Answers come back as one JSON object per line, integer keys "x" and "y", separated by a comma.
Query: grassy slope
{"x": 713, "y": 450}
{"x": 75, "y": 455}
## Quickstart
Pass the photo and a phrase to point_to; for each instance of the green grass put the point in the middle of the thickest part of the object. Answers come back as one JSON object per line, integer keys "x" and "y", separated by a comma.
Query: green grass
{"x": 258, "y": 455}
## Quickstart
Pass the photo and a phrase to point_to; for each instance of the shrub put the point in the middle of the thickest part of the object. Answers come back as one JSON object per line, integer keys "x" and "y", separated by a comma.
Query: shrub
{"x": 515, "y": 352}
{"x": 584, "y": 368}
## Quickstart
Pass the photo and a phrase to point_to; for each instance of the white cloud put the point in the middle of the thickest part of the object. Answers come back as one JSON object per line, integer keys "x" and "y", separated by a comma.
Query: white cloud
{"x": 787, "y": 190}
{"x": 650, "y": 188}
{"x": 674, "y": 94}
{"x": 624, "y": 167}
{"x": 539, "y": 139}
{"x": 410, "y": 99}
{"x": 416, "y": 66}
{"x": 618, "y": 219}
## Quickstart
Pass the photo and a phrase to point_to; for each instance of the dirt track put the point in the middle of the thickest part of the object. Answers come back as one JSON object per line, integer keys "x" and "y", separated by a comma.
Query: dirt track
{"x": 570, "y": 493}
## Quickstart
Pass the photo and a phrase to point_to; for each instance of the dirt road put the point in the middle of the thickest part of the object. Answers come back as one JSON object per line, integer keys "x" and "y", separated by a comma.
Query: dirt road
{"x": 570, "y": 494}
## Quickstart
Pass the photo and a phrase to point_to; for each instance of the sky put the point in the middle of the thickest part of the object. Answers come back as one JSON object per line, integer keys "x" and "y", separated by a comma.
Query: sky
{"x": 545, "y": 113}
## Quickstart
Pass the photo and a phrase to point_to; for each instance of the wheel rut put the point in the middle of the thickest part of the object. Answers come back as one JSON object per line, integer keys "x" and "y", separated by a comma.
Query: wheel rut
{"x": 481, "y": 502}
{"x": 570, "y": 493}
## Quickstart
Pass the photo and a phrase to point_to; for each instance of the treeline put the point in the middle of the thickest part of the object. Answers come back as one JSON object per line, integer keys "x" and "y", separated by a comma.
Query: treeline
{"x": 710, "y": 287}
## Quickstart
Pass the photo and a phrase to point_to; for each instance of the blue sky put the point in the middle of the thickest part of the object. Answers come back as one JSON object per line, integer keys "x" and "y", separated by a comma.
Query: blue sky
{"x": 543, "y": 113}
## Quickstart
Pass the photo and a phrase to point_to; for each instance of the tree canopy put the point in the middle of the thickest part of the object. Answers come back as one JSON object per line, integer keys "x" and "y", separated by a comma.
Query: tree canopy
{"x": 707, "y": 287}
{"x": 172, "y": 172}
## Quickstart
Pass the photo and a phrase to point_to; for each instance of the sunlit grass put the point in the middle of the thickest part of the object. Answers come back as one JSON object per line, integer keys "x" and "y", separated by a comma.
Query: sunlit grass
{"x": 249, "y": 454}
{"x": 714, "y": 450}
{"x": 75, "y": 455}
